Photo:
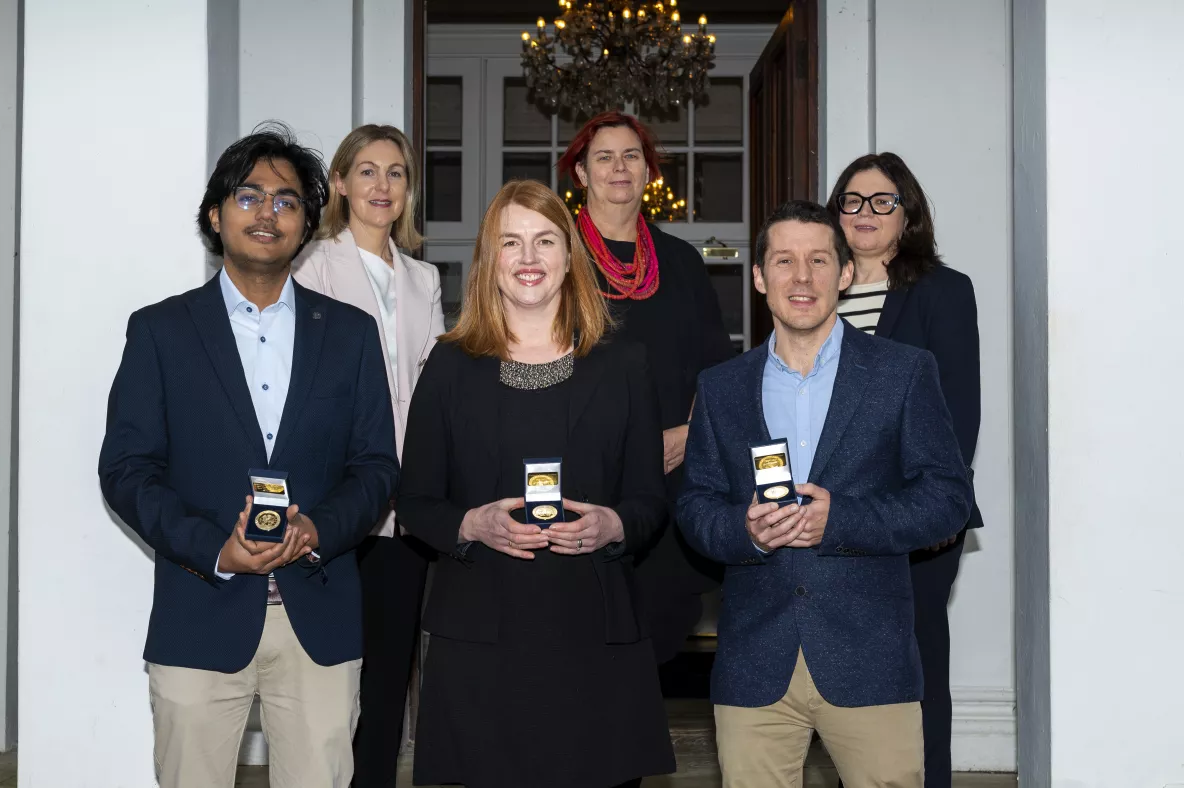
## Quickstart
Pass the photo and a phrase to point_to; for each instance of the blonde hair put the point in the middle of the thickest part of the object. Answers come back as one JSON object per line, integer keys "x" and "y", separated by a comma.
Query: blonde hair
{"x": 335, "y": 217}
{"x": 481, "y": 329}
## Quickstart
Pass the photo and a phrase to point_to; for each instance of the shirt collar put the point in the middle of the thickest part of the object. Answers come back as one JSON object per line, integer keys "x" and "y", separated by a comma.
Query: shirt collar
{"x": 234, "y": 299}
{"x": 826, "y": 354}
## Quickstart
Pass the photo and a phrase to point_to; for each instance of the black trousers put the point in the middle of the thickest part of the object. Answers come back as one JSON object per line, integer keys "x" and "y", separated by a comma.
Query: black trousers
{"x": 933, "y": 580}
{"x": 393, "y": 571}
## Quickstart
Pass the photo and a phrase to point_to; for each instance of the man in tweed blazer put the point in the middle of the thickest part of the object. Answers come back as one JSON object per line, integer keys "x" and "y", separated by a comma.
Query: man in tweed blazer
{"x": 816, "y": 629}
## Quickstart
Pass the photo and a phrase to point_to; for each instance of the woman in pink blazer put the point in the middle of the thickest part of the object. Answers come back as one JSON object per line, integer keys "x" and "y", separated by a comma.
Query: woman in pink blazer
{"x": 356, "y": 259}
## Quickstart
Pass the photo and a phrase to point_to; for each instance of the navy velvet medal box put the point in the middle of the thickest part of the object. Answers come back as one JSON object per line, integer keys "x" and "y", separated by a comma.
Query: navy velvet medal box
{"x": 770, "y": 469}
{"x": 269, "y": 509}
{"x": 544, "y": 498}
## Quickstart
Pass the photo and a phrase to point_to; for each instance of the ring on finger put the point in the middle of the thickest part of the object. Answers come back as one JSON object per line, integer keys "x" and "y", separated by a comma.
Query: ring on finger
{"x": 579, "y": 545}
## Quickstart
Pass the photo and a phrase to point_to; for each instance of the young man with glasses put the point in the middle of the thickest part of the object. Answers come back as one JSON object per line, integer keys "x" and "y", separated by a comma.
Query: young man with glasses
{"x": 253, "y": 372}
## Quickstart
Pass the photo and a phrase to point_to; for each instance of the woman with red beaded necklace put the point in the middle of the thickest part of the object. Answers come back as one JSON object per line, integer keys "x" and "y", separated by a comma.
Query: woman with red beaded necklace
{"x": 660, "y": 295}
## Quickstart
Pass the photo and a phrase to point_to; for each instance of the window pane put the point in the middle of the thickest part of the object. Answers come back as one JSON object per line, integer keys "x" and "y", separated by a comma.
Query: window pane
{"x": 728, "y": 280}
{"x": 719, "y": 187}
{"x": 573, "y": 196}
{"x": 670, "y": 127}
{"x": 451, "y": 291}
{"x": 442, "y": 187}
{"x": 523, "y": 122}
{"x": 668, "y": 202}
{"x": 720, "y": 119}
{"x": 536, "y": 166}
{"x": 445, "y": 110}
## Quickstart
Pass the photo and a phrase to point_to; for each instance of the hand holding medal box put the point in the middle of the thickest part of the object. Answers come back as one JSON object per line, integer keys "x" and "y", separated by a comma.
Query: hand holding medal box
{"x": 544, "y": 497}
{"x": 770, "y": 468}
{"x": 269, "y": 506}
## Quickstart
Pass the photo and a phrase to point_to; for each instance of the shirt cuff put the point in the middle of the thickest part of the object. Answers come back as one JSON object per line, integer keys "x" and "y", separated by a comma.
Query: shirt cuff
{"x": 760, "y": 550}
{"x": 221, "y": 575}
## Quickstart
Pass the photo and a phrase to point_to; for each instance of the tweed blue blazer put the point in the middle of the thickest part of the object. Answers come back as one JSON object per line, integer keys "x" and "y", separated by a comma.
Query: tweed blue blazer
{"x": 890, "y": 460}
{"x": 181, "y": 436}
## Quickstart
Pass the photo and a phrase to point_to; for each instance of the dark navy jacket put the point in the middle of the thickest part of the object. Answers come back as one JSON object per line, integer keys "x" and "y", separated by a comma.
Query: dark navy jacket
{"x": 181, "y": 436}
{"x": 889, "y": 459}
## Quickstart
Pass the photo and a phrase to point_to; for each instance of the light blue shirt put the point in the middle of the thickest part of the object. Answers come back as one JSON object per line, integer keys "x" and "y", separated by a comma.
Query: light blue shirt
{"x": 795, "y": 407}
{"x": 266, "y": 339}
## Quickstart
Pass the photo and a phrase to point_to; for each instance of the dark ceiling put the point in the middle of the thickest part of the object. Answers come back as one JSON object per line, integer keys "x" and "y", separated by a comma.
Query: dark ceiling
{"x": 514, "y": 12}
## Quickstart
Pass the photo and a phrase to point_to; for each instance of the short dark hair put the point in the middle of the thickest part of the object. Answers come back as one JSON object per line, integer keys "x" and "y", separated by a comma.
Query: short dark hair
{"x": 268, "y": 142}
{"x": 916, "y": 252}
{"x": 807, "y": 212}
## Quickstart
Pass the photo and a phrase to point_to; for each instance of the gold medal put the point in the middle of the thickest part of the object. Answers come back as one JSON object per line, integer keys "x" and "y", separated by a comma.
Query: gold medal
{"x": 545, "y": 512}
{"x": 770, "y": 461}
{"x": 780, "y": 491}
{"x": 267, "y": 520}
{"x": 542, "y": 480}
{"x": 266, "y": 487}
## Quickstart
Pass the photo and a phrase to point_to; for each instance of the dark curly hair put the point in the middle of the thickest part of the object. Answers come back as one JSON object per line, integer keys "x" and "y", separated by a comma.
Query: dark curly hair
{"x": 269, "y": 141}
{"x": 916, "y": 252}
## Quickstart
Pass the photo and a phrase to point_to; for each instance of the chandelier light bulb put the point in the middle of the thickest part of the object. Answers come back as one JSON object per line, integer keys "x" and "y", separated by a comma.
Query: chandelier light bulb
{"x": 703, "y": 23}
{"x": 541, "y": 23}
{"x": 686, "y": 39}
{"x": 673, "y": 3}
{"x": 675, "y": 18}
{"x": 559, "y": 23}
{"x": 525, "y": 36}
{"x": 641, "y": 13}
{"x": 711, "y": 38}
{"x": 625, "y": 14}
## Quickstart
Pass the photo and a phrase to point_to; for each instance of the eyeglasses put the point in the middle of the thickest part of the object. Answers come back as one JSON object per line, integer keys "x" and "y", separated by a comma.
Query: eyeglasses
{"x": 249, "y": 199}
{"x": 883, "y": 203}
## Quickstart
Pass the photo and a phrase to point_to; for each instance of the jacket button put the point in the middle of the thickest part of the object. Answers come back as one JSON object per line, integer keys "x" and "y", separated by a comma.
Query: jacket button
{"x": 800, "y": 591}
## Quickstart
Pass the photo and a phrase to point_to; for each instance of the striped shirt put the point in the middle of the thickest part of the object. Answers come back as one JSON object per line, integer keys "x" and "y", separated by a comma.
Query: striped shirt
{"x": 861, "y": 305}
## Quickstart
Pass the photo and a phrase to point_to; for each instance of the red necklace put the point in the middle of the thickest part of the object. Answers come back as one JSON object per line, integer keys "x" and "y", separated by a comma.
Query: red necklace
{"x": 637, "y": 280}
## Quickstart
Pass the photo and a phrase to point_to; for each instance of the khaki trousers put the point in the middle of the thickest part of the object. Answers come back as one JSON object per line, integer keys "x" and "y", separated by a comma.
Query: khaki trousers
{"x": 309, "y": 713}
{"x": 871, "y": 746}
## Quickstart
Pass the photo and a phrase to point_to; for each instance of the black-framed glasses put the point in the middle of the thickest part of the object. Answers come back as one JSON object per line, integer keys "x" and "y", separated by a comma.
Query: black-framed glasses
{"x": 249, "y": 199}
{"x": 883, "y": 203}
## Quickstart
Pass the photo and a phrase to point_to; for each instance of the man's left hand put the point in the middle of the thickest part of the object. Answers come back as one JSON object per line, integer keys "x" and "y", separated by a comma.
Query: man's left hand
{"x": 814, "y": 515}
{"x": 306, "y": 530}
{"x": 674, "y": 446}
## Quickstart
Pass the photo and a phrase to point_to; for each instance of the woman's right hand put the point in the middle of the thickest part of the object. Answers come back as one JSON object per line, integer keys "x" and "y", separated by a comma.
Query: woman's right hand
{"x": 492, "y": 526}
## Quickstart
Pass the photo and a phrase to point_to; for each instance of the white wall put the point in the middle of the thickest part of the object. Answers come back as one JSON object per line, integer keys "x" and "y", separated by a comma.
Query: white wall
{"x": 1114, "y": 114}
{"x": 932, "y": 83}
{"x": 9, "y": 59}
{"x": 115, "y": 130}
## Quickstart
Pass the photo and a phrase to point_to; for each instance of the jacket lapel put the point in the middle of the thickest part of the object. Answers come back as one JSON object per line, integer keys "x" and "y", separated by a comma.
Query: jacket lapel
{"x": 412, "y": 322}
{"x": 754, "y": 380}
{"x": 850, "y": 383}
{"x": 893, "y": 303}
{"x": 208, "y": 310}
{"x": 311, "y": 318}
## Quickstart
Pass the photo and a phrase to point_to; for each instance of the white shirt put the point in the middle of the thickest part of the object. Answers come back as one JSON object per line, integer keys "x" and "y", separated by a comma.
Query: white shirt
{"x": 381, "y": 278}
{"x": 265, "y": 339}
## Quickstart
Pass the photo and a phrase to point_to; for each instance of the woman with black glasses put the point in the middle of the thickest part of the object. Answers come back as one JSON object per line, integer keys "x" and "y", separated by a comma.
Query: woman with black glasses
{"x": 903, "y": 291}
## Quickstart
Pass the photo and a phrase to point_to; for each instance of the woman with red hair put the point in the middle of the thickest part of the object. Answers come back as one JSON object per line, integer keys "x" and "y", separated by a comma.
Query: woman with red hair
{"x": 661, "y": 297}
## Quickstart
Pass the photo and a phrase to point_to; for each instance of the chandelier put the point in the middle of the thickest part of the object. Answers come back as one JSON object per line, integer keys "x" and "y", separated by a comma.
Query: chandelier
{"x": 604, "y": 54}
{"x": 658, "y": 203}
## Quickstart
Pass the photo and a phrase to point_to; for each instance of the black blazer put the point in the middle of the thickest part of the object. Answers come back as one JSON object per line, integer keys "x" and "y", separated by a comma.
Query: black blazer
{"x": 181, "y": 436}
{"x": 939, "y": 314}
{"x": 451, "y": 464}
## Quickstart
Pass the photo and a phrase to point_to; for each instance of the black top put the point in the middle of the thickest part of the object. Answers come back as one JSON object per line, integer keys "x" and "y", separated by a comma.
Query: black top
{"x": 455, "y": 460}
{"x": 680, "y": 325}
{"x": 683, "y": 333}
{"x": 939, "y": 314}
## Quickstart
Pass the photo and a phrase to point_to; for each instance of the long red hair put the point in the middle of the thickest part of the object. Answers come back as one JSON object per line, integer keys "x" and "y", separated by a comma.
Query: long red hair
{"x": 577, "y": 151}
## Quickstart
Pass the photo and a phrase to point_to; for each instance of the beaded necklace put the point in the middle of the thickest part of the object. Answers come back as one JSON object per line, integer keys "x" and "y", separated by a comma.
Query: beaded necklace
{"x": 637, "y": 280}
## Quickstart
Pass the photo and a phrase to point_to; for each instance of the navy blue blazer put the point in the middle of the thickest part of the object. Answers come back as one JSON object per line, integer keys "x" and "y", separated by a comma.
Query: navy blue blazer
{"x": 939, "y": 314}
{"x": 181, "y": 436}
{"x": 889, "y": 459}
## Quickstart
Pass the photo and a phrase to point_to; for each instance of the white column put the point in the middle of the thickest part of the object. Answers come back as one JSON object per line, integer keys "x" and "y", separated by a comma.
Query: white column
{"x": 846, "y": 98}
{"x": 385, "y": 75}
{"x": 114, "y": 166}
{"x": 932, "y": 85}
{"x": 9, "y": 58}
{"x": 296, "y": 64}
{"x": 1115, "y": 422}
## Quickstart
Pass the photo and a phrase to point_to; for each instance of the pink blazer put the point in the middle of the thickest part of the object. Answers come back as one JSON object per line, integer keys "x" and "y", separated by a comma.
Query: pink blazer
{"x": 334, "y": 267}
